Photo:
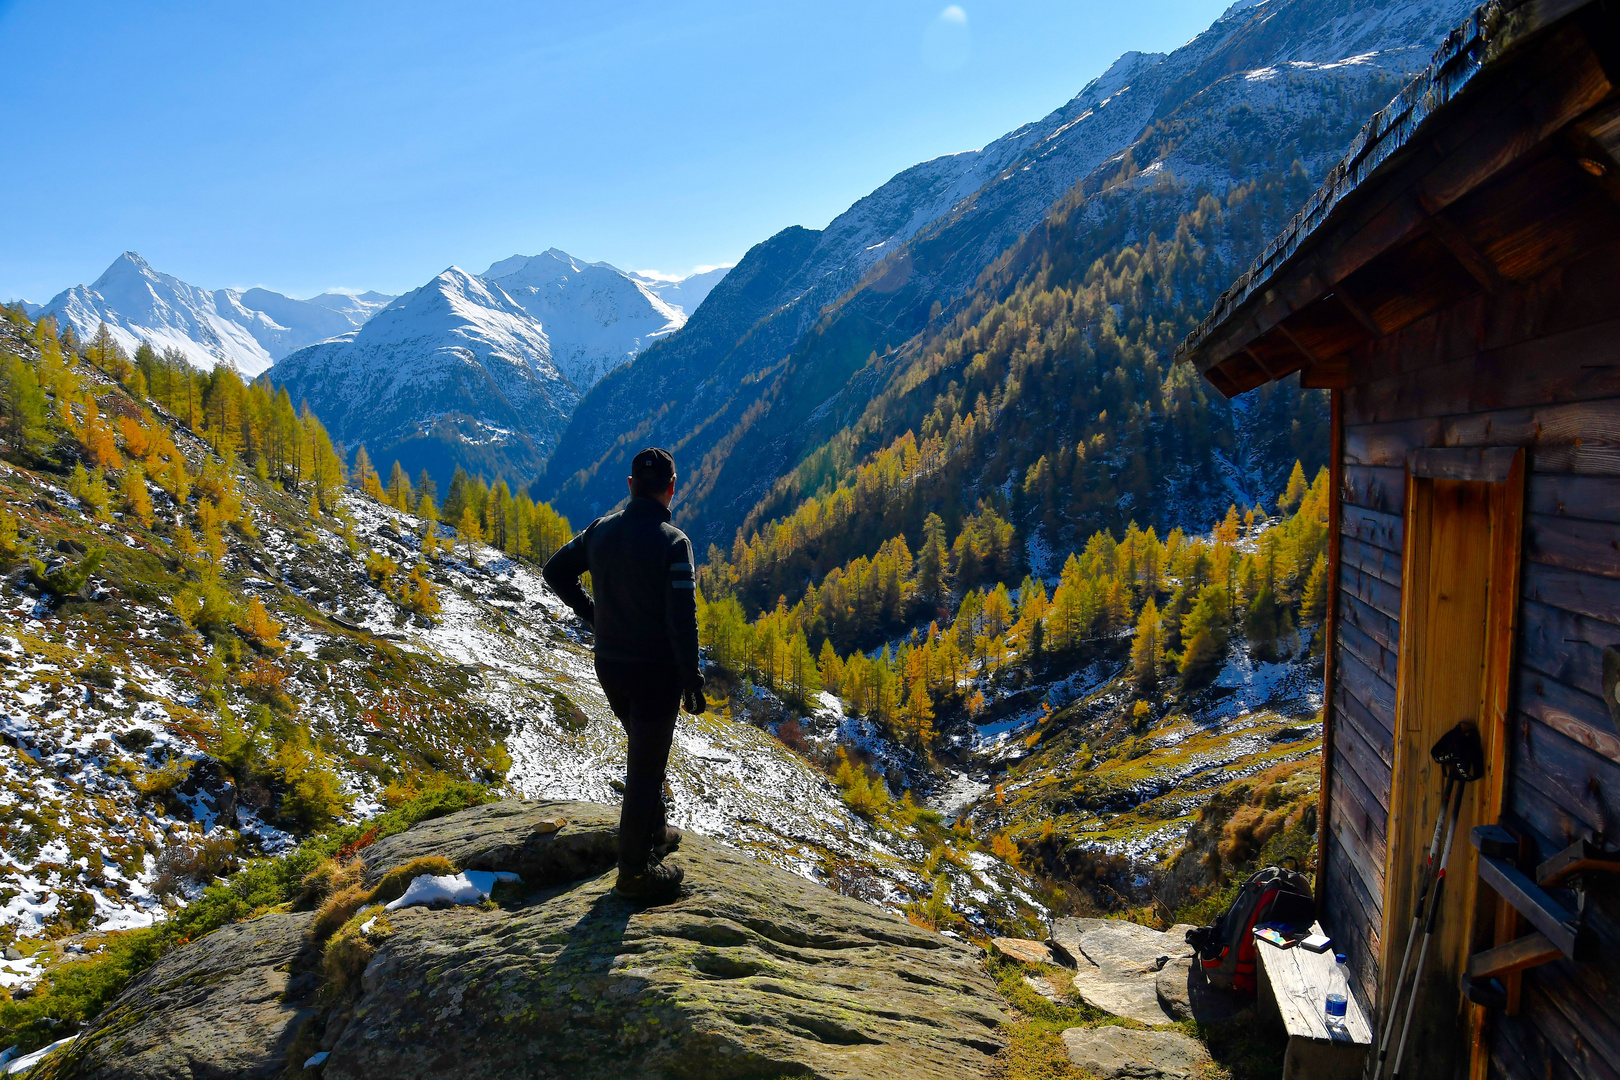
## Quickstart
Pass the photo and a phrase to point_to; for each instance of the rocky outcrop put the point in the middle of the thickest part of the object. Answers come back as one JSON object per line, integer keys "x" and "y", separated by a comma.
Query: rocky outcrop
{"x": 208, "y": 793}
{"x": 231, "y": 1004}
{"x": 1184, "y": 994}
{"x": 1117, "y": 964}
{"x": 751, "y": 972}
{"x": 1116, "y": 1052}
{"x": 1023, "y": 950}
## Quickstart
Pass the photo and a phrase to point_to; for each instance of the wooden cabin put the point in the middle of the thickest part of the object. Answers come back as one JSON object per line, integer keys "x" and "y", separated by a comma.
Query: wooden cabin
{"x": 1455, "y": 284}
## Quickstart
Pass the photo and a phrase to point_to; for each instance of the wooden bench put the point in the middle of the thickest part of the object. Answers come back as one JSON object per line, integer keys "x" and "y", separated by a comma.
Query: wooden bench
{"x": 1294, "y": 982}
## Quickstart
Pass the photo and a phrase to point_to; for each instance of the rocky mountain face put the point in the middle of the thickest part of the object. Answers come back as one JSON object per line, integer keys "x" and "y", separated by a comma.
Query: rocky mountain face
{"x": 561, "y": 978}
{"x": 250, "y": 329}
{"x": 595, "y": 316}
{"x": 454, "y": 373}
{"x": 790, "y": 347}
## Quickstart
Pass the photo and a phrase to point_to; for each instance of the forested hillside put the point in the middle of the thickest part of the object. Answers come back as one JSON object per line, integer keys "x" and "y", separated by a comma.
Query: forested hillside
{"x": 1033, "y": 421}
{"x": 810, "y": 338}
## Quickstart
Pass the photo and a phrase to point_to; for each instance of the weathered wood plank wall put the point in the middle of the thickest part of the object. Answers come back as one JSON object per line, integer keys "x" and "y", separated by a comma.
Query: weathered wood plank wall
{"x": 1537, "y": 365}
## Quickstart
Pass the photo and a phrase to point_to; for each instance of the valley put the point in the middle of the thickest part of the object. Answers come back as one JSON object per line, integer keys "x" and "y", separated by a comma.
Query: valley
{"x": 1006, "y": 616}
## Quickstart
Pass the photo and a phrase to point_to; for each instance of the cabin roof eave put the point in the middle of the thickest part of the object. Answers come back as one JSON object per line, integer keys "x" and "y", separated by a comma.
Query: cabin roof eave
{"x": 1303, "y": 265}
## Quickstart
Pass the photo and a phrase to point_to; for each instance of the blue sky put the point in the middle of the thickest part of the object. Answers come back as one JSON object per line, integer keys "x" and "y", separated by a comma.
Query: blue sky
{"x": 308, "y": 146}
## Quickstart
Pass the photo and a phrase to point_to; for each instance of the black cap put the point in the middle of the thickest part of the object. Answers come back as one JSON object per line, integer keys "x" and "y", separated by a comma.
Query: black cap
{"x": 654, "y": 465}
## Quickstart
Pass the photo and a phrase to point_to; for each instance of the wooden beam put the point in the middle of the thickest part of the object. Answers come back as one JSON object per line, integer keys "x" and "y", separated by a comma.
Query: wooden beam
{"x": 1464, "y": 463}
{"x": 1530, "y": 951}
{"x": 1533, "y": 902}
{"x": 1326, "y": 375}
{"x": 1601, "y": 28}
{"x": 1357, "y": 312}
{"x": 1462, "y": 249}
{"x": 1494, "y": 841}
{"x": 1330, "y": 649}
{"x": 1580, "y": 857}
{"x": 1311, "y": 359}
{"x": 1259, "y": 363}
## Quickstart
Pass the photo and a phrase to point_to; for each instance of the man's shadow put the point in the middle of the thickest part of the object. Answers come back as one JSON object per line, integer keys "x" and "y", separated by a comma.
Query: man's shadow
{"x": 596, "y": 937}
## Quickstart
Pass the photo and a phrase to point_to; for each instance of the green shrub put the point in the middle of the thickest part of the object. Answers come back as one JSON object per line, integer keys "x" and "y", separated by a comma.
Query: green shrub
{"x": 314, "y": 797}
{"x": 156, "y": 784}
{"x": 75, "y": 992}
{"x": 207, "y": 608}
{"x": 863, "y": 792}
{"x": 68, "y": 580}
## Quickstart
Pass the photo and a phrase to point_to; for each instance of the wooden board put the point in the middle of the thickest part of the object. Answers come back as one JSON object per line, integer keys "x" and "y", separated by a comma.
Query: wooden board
{"x": 1565, "y": 495}
{"x": 1330, "y": 635}
{"x": 1528, "y": 951}
{"x": 1299, "y": 980}
{"x": 1486, "y": 466}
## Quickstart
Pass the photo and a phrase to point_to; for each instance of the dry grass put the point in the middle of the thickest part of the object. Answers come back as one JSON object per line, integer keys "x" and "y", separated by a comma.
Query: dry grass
{"x": 338, "y": 909}
{"x": 350, "y": 949}
{"x": 329, "y": 876}
{"x": 349, "y": 894}
{"x": 208, "y": 858}
{"x": 397, "y": 880}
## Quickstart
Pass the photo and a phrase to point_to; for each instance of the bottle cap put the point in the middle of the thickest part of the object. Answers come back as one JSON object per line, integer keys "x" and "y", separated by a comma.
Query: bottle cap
{"x": 1339, "y": 957}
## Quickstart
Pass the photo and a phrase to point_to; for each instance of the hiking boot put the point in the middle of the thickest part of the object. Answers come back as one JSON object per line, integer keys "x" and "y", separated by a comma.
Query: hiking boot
{"x": 665, "y": 840}
{"x": 659, "y": 881}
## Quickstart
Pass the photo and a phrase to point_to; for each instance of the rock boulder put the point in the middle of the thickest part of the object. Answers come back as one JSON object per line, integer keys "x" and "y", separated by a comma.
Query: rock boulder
{"x": 1117, "y": 963}
{"x": 231, "y": 1004}
{"x": 751, "y": 972}
{"x": 1114, "y": 1053}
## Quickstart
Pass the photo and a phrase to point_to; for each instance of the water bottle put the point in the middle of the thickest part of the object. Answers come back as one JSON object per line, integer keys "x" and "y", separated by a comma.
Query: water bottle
{"x": 1338, "y": 998}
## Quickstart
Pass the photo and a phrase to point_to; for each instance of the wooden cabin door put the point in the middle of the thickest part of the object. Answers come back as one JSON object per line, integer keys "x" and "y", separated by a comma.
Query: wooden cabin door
{"x": 1458, "y": 607}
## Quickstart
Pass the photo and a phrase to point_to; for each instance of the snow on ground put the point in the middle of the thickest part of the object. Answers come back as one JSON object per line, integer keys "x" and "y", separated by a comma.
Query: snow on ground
{"x": 729, "y": 780}
{"x": 467, "y": 887}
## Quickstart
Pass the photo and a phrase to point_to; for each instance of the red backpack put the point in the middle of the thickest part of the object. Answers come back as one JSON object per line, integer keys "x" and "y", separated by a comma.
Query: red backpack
{"x": 1226, "y": 949}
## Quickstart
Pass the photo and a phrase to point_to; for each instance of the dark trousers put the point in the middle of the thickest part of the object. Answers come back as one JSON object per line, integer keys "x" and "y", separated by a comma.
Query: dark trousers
{"x": 646, "y": 697}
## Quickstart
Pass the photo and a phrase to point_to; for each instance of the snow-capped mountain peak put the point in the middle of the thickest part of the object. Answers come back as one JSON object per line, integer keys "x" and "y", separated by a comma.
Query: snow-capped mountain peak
{"x": 683, "y": 294}
{"x": 453, "y": 373}
{"x": 596, "y": 316}
{"x": 250, "y": 329}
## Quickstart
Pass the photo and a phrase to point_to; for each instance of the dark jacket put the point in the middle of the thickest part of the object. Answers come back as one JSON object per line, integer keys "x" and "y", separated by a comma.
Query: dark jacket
{"x": 642, "y": 574}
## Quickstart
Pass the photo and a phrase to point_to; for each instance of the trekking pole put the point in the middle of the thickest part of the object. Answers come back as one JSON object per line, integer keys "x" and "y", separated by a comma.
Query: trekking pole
{"x": 1393, "y": 1009}
{"x": 1428, "y": 931}
{"x": 1460, "y": 754}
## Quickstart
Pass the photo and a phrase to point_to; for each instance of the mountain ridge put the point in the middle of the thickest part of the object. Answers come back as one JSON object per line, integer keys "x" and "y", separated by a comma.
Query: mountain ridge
{"x": 250, "y": 329}
{"x": 749, "y": 406}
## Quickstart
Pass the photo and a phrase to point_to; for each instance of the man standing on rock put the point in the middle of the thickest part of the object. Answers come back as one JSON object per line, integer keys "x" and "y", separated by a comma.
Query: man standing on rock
{"x": 645, "y": 618}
